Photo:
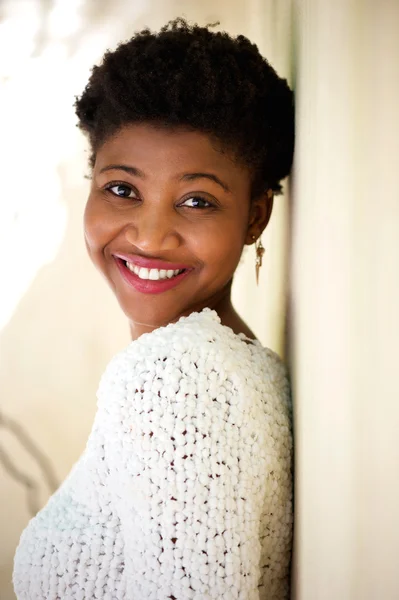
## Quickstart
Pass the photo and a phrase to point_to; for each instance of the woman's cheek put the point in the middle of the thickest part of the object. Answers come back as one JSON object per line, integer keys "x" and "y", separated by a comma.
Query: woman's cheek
{"x": 218, "y": 246}
{"x": 97, "y": 224}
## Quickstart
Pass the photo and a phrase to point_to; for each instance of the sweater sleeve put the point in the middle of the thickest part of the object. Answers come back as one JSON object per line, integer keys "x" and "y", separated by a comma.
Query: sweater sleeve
{"x": 198, "y": 455}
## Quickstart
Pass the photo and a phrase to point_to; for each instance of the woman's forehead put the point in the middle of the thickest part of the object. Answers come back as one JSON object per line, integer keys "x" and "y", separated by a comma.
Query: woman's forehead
{"x": 147, "y": 147}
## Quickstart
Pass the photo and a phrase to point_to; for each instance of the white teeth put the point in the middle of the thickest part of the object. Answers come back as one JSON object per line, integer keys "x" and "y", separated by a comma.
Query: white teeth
{"x": 153, "y": 274}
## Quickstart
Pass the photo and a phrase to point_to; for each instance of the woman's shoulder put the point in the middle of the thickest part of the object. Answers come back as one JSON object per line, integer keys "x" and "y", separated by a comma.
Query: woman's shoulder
{"x": 200, "y": 345}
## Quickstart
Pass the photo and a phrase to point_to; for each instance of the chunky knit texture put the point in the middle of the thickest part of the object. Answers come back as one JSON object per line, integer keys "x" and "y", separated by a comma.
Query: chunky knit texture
{"x": 184, "y": 488}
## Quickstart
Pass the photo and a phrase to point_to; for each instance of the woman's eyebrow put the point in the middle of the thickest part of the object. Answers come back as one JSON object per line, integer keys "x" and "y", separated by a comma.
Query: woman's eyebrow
{"x": 211, "y": 176}
{"x": 131, "y": 170}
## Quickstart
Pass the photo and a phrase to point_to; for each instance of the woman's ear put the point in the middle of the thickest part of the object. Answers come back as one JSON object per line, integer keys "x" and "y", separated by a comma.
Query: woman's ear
{"x": 259, "y": 215}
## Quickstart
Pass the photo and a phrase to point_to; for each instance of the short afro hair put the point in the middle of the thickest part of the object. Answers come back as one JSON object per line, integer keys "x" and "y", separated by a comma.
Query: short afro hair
{"x": 187, "y": 76}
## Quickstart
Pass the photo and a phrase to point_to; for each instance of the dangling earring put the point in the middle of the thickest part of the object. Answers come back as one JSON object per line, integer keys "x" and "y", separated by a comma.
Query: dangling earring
{"x": 259, "y": 255}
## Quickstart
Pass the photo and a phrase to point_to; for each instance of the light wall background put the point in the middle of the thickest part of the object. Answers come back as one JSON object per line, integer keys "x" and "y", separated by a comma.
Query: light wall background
{"x": 331, "y": 266}
{"x": 345, "y": 300}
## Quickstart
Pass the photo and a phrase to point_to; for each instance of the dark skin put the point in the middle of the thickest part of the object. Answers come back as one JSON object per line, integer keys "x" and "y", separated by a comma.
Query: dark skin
{"x": 146, "y": 201}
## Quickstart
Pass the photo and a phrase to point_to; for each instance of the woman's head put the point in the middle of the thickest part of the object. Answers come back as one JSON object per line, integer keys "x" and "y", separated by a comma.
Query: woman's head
{"x": 190, "y": 132}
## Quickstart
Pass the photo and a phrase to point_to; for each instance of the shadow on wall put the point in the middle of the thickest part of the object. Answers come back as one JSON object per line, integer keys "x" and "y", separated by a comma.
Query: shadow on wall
{"x": 25, "y": 479}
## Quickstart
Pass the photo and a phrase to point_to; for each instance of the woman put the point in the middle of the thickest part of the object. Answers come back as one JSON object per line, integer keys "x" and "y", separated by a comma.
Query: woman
{"x": 184, "y": 488}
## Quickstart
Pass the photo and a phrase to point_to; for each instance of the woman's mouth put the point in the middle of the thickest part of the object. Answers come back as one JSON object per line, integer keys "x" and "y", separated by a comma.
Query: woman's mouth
{"x": 150, "y": 280}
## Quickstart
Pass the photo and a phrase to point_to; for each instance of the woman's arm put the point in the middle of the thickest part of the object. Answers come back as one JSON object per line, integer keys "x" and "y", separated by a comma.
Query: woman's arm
{"x": 199, "y": 475}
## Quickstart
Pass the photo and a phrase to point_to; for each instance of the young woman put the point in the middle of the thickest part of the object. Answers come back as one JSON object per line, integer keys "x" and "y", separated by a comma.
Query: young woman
{"x": 184, "y": 489}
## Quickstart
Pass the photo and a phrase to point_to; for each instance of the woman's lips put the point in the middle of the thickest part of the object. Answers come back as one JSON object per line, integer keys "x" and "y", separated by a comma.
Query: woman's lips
{"x": 150, "y": 286}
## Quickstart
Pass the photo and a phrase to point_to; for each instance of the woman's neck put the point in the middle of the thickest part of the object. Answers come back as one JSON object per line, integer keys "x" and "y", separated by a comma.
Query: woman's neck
{"x": 222, "y": 306}
{"x": 230, "y": 318}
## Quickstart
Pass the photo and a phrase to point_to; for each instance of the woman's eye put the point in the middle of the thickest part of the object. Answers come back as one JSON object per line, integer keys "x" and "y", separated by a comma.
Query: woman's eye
{"x": 196, "y": 202}
{"x": 121, "y": 190}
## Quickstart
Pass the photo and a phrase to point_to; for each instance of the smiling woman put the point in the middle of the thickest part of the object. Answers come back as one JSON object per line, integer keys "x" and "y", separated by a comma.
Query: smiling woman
{"x": 184, "y": 488}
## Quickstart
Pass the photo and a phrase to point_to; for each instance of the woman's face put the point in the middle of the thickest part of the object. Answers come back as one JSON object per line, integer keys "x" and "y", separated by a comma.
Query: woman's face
{"x": 166, "y": 221}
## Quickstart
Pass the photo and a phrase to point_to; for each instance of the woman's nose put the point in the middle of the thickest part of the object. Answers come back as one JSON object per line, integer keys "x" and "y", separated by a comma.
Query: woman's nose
{"x": 153, "y": 233}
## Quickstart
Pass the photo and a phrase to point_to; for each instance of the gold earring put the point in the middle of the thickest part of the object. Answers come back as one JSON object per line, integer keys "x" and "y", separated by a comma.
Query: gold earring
{"x": 259, "y": 255}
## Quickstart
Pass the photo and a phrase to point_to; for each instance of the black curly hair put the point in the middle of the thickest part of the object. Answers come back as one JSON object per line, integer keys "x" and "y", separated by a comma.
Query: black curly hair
{"x": 193, "y": 78}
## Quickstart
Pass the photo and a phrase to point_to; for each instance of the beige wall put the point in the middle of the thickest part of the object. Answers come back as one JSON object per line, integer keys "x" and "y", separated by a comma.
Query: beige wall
{"x": 59, "y": 324}
{"x": 345, "y": 298}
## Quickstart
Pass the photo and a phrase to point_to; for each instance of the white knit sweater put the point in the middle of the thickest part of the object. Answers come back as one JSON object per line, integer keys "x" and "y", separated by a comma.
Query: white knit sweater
{"x": 184, "y": 488}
